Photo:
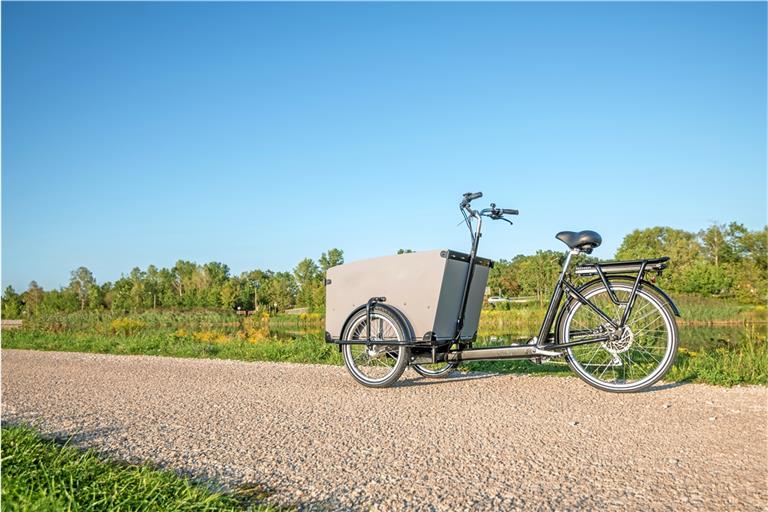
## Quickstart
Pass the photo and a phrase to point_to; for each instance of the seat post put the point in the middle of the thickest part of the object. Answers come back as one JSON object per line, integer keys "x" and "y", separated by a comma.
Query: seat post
{"x": 567, "y": 262}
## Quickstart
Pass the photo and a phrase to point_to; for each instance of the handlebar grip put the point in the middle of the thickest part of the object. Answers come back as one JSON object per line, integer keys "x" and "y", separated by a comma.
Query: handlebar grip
{"x": 509, "y": 211}
{"x": 471, "y": 196}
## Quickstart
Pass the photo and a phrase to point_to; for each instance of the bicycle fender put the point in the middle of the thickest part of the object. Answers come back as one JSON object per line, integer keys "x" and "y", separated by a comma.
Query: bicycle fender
{"x": 391, "y": 309}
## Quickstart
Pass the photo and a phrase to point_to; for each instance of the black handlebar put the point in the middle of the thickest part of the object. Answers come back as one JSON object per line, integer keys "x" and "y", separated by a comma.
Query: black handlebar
{"x": 498, "y": 213}
{"x": 471, "y": 196}
{"x": 492, "y": 212}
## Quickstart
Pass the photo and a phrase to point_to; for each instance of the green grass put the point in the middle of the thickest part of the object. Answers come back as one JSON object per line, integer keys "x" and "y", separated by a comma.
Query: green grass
{"x": 723, "y": 366}
{"x": 744, "y": 362}
{"x": 712, "y": 350}
{"x": 46, "y": 475}
{"x": 695, "y": 309}
{"x": 307, "y": 349}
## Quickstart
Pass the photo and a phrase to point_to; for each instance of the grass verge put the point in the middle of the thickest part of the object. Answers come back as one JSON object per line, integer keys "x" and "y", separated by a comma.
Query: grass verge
{"x": 744, "y": 363}
{"x": 299, "y": 350}
{"x": 41, "y": 475}
{"x": 723, "y": 366}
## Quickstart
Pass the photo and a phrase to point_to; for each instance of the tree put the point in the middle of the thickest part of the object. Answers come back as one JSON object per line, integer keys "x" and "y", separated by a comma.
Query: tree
{"x": 706, "y": 278}
{"x": 64, "y": 300}
{"x": 330, "y": 259}
{"x": 217, "y": 275}
{"x": 33, "y": 298}
{"x": 184, "y": 283}
{"x": 81, "y": 284}
{"x": 228, "y": 294}
{"x": 280, "y": 291}
{"x": 681, "y": 246}
{"x": 502, "y": 279}
{"x": 753, "y": 245}
{"x": 139, "y": 298}
{"x": 251, "y": 289}
{"x": 12, "y": 304}
{"x": 153, "y": 284}
{"x": 120, "y": 294}
{"x": 95, "y": 297}
{"x": 750, "y": 282}
{"x": 307, "y": 276}
{"x": 722, "y": 243}
{"x": 183, "y": 271}
{"x": 404, "y": 251}
{"x": 106, "y": 295}
{"x": 751, "y": 275}
{"x": 168, "y": 292}
{"x": 537, "y": 274}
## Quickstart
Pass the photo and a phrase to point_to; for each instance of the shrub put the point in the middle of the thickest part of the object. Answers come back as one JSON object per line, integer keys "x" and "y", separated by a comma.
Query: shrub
{"x": 210, "y": 337}
{"x": 126, "y": 326}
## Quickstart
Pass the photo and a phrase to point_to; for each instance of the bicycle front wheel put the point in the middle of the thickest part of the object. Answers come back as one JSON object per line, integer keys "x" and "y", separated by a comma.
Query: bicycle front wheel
{"x": 377, "y": 364}
{"x": 638, "y": 355}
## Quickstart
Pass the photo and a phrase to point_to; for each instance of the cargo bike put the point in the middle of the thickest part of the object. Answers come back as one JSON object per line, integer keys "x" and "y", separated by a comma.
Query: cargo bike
{"x": 617, "y": 331}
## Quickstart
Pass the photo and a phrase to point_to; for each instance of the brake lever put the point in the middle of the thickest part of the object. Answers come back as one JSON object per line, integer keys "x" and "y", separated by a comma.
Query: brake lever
{"x": 496, "y": 214}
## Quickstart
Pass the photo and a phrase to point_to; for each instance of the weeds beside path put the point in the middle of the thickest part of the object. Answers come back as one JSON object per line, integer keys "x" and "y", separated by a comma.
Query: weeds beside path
{"x": 46, "y": 474}
{"x": 728, "y": 359}
{"x": 746, "y": 365}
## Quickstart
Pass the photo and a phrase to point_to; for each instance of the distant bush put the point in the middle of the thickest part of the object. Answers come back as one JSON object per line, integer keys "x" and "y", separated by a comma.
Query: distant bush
{"x": 126, "y": 326}
{"x": 210, "y": 337}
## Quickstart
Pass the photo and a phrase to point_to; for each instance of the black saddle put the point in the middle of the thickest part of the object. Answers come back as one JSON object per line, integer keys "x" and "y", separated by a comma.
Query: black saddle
{"x": 583, "y": 240}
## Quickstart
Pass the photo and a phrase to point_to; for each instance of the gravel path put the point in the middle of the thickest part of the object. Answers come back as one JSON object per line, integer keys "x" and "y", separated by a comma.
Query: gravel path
{"x": 477, "y": 442}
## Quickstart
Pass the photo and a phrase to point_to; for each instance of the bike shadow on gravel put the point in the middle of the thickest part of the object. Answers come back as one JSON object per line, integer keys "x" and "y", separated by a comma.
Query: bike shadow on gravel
{"x": 661, "y": 386}
{"x": 416, "y": 381}
{"x": 78, "y": 436}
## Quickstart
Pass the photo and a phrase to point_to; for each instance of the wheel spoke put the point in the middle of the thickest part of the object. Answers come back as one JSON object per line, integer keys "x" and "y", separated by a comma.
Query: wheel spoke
{"x": 597, "y": 351}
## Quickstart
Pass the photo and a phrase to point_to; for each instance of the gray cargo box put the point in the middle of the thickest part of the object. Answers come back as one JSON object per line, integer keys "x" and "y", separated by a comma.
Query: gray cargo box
{"x": 426, "y": 287}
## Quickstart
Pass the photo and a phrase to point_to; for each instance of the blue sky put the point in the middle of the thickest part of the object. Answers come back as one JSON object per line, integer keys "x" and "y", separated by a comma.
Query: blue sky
{"x": 258, "y": 134}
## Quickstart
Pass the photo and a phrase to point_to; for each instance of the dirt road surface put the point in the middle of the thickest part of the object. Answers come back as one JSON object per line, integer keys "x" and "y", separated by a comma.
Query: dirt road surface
{"x": 478, "y": 442}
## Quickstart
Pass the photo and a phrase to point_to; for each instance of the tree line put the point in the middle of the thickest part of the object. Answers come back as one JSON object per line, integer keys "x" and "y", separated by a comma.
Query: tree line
{"x": 722, "y": 260}
{"x": 186, "y": 285}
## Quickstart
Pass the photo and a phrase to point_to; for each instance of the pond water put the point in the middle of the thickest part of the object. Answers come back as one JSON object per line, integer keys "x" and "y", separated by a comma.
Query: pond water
{"x": 692, "y": 337}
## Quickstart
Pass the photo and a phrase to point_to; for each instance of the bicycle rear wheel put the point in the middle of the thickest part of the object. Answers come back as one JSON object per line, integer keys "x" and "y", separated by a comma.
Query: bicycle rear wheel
{"x": 637, "y": 356}
{"x": 435, "y": 370}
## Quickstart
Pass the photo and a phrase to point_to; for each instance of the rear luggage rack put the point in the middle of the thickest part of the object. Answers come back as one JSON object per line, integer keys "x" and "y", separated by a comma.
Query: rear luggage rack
{"x": 622, "y": 267}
